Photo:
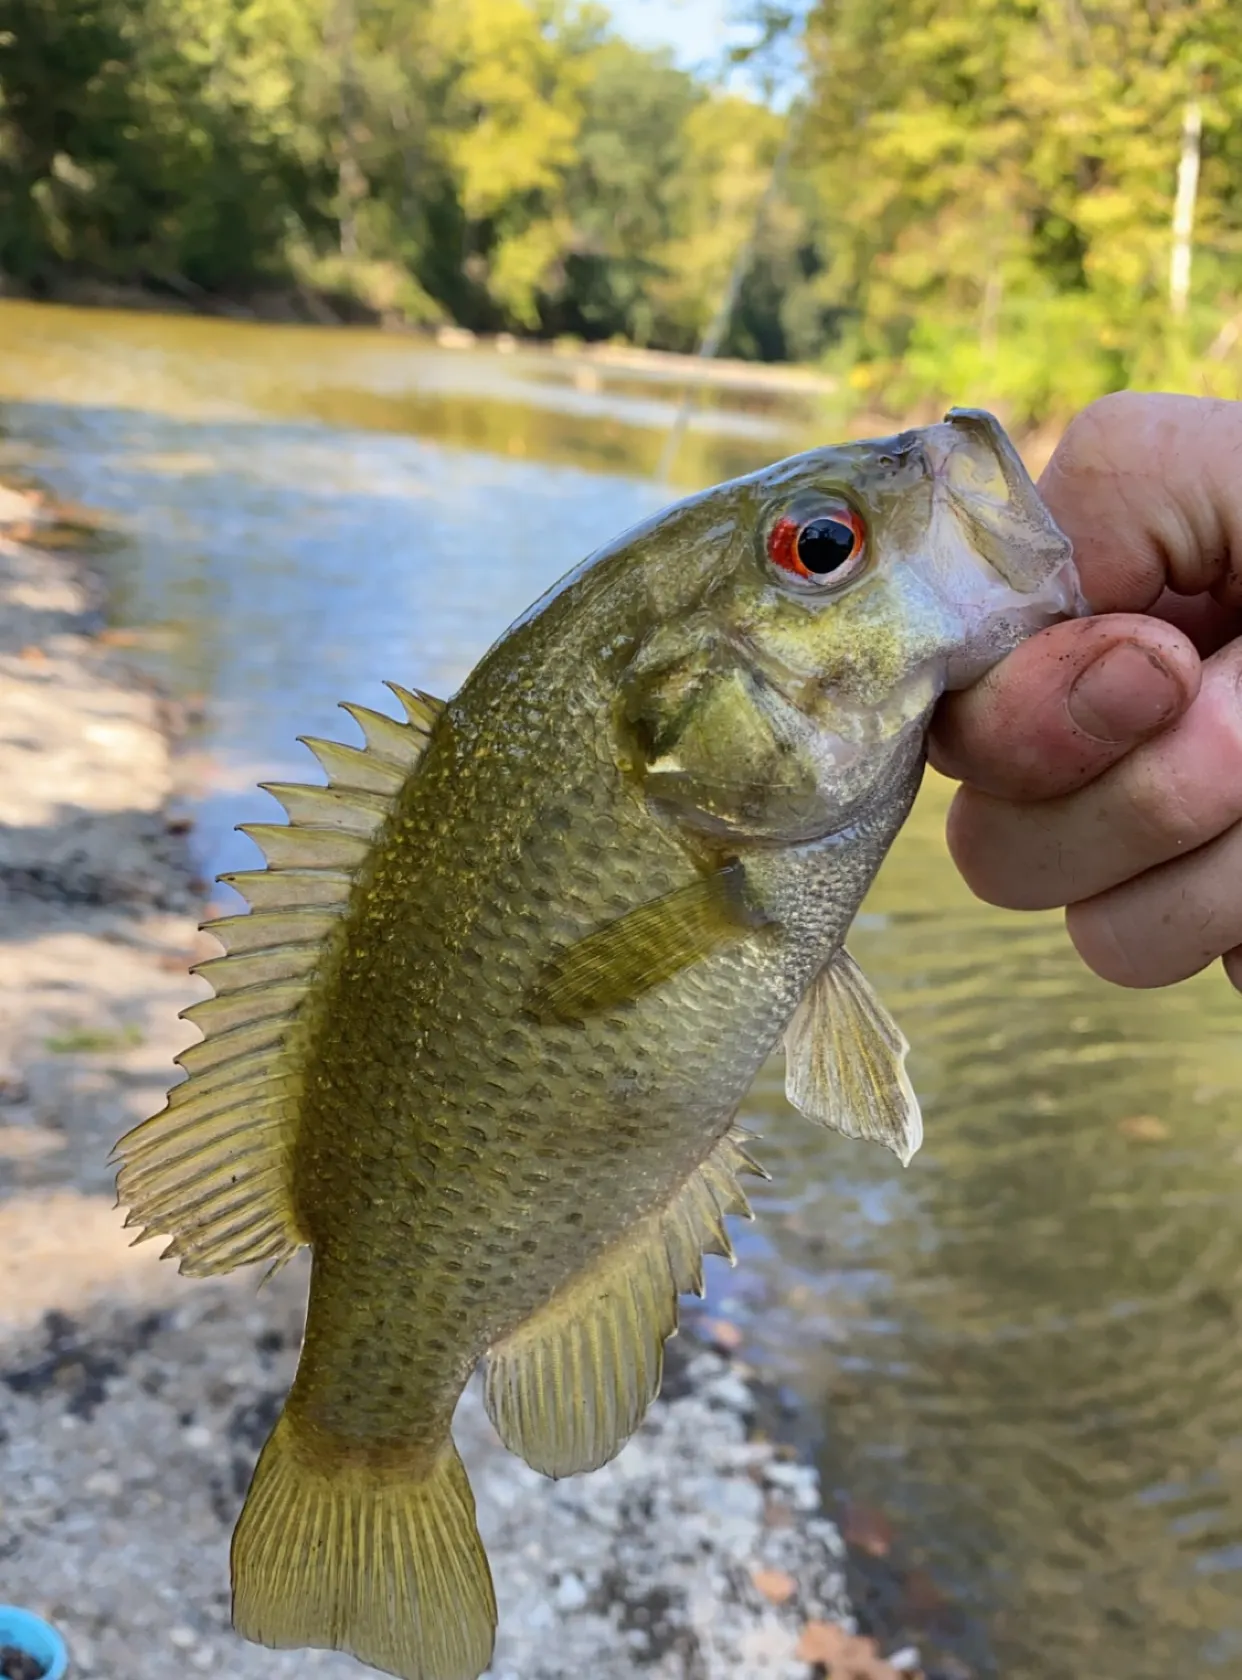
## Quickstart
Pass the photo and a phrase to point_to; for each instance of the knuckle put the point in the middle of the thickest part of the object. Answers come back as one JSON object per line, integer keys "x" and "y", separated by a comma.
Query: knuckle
{"x": 1165, "y": 812}
{"x": 1188, "y": 788}
{"x": 1094, "y": 430}
{"x": 979, "y": 834}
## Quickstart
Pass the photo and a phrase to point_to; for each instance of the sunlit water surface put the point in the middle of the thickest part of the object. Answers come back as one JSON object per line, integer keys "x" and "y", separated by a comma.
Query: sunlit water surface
{"x": 1024, "y": 1349}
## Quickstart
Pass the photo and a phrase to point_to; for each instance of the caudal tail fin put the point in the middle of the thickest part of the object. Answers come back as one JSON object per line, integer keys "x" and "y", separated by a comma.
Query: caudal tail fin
{"x": 380, "y": 1562}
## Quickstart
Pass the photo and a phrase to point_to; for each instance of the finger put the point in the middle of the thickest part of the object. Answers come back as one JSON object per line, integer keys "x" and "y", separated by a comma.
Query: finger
{"x": 1177, "y": 792}
{"x": 1208, "y": 625}
{"x": 1233, "y": 967}
{"x": 1168, "y": 924}
{"x": 1065, "y": 705}
{"x": 1146, "y": 488}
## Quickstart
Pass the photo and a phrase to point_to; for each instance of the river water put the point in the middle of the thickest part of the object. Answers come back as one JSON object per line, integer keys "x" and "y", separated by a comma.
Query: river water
{"x": 1023, "y": 1352}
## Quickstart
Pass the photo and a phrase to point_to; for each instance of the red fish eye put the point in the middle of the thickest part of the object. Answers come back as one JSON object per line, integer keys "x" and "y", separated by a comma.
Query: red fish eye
{"x": 824, "y": 549}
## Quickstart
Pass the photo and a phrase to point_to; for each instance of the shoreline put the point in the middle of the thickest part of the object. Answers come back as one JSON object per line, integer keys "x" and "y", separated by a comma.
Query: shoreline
{"x": 294, "y": 306}
{"x": 133, "y": 1402}
{"x": 591, "y": 364}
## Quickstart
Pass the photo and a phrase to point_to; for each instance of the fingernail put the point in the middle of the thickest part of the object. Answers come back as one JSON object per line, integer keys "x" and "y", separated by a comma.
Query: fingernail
{"x": 1126, "y": 694}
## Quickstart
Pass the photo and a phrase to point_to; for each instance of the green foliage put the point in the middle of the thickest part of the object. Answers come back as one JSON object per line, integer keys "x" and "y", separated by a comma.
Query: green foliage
{"x": 978, "y": 209}
{"x": 498, "y": 163}
{"x": 1001, "y": 227}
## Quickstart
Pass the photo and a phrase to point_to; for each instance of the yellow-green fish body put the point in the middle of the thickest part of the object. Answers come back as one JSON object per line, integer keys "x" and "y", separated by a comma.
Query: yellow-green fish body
{"x": 483, "y": 1039}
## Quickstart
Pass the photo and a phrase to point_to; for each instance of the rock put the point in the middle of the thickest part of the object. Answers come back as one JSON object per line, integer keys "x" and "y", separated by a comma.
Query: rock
{"x": 571, "y": 1593}
{"x": 906, "y": 1661}
{"x": 732, "y": 1392}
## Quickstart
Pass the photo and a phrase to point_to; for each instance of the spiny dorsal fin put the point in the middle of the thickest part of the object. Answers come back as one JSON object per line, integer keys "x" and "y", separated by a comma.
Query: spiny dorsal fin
{"x": 845, "y": 1062}
{"x": 421, "y": 709}
{"x": 212, "y": 1168}
{"x": 570, "y": 1386}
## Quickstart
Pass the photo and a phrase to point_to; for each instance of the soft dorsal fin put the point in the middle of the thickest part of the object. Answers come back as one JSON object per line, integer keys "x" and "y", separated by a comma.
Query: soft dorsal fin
{"x": 570, "y": 1386}
{"x": 845, "y": 1062}
{"x": 211, "y": 1170}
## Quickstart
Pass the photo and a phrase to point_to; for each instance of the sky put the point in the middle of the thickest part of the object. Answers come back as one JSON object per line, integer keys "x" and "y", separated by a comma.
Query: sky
{"x": 698, "y": 31}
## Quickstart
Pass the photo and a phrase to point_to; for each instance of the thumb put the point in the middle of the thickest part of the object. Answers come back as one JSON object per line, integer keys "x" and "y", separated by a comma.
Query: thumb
{"x": 1065, "y": 705}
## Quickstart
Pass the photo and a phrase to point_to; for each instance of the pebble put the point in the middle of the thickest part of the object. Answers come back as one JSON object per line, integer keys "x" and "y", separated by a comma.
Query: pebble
{"x": 571, "y": 1594}
{"x": 732, "y": 1392}
{"x": 908, "y": 1660}
{"x": 738, "y": 1498}
{"x": 182, "y": 1638}
{"x": 790, "y": 1476}
{"x": 82, "y": 1654}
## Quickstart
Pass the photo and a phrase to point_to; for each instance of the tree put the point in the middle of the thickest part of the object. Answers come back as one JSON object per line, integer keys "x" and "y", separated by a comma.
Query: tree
{"x": 999, "y": 180}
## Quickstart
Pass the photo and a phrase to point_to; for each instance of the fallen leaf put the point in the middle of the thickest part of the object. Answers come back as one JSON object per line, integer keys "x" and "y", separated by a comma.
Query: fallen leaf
{"x": 1144, "y": 1127}
{"x": 774, "y": 1584}
{"x": 920, "y": 1596}
{"x": 33, "y": 655}
{"x": 867, "y": 1528}
{"x": 720, "y": 1333}
{"x": 846, "y": 1656}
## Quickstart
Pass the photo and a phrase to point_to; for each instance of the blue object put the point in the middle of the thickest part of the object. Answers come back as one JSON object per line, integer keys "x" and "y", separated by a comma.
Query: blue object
{"x": 37, "y": 1638}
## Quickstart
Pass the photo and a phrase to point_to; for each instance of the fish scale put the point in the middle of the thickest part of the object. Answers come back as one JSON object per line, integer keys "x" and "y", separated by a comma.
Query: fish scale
{"x": 508, "y": 976}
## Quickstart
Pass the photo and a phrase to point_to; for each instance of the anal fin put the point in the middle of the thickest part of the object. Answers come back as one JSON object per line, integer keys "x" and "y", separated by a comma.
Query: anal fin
{"x": 845, "y": 1062}
{"x": 570, "y": 1386}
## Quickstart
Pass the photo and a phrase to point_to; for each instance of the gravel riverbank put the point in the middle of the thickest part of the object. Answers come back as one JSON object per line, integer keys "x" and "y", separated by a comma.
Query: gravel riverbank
{"x": 133, "y": 1402}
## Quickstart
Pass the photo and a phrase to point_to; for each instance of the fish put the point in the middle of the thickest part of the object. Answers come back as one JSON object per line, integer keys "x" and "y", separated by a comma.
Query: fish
{"x": 481, "y": 1040}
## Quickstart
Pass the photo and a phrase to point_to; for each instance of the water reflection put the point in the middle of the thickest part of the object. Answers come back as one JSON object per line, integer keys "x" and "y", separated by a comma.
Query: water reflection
{"x": 532, "y": 406}
{"x": 1037, "y": 1324}
{"x": 1025, "y": 1346}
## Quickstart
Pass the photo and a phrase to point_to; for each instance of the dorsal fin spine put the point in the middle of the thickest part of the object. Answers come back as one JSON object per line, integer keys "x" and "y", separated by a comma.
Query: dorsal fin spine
{"x": 213, "y": 1168}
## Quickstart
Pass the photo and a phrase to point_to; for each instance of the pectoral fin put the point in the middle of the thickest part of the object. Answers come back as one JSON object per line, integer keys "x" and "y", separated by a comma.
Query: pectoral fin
{"x": 845, "y": 1062}
{"x": 646, "y": 946}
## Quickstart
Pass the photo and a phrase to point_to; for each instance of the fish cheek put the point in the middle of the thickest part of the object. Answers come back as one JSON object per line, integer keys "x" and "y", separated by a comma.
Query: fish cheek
{"x": 722, "y": 753}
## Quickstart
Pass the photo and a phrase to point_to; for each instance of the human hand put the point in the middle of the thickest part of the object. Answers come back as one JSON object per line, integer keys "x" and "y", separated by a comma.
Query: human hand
{"x": 1102, "y": 761}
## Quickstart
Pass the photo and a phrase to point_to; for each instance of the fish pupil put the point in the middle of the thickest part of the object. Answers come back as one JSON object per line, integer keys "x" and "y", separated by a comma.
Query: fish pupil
{"x": 825, "y": 544}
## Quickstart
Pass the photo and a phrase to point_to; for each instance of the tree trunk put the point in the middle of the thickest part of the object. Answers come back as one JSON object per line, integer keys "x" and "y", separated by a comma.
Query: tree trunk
{"x": 1184, "y": 210}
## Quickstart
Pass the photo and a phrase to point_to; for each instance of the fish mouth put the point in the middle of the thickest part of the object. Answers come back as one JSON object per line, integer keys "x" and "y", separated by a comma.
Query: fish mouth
{"x": 975, "y": 467}
{"x": 1014, "y": 574}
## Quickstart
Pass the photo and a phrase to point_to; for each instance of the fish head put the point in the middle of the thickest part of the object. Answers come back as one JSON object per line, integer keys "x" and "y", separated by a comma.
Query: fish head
{"x": 862, "y": 582}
